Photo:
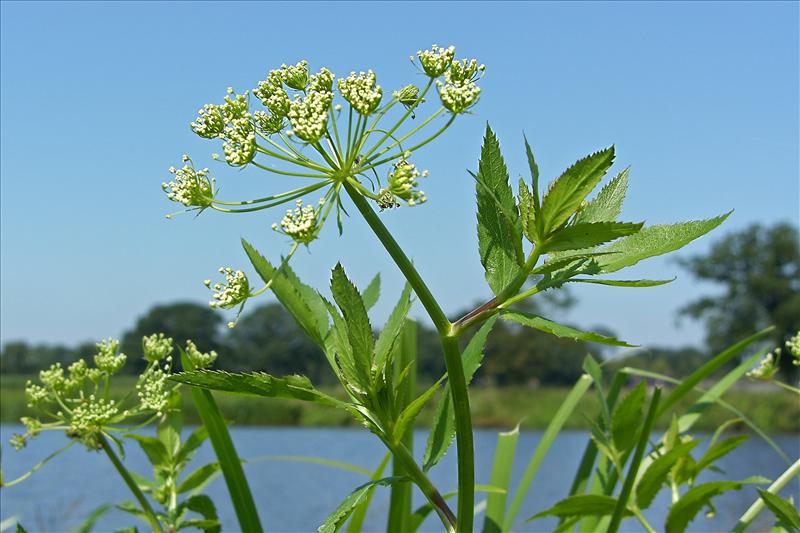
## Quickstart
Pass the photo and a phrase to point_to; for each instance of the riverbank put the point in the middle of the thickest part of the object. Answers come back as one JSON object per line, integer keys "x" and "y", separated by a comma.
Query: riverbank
{"x": 774, "y": 410}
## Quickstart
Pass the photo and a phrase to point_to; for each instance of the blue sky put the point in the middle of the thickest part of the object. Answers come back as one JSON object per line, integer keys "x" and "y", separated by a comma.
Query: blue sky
{"x": 700, "y": 99}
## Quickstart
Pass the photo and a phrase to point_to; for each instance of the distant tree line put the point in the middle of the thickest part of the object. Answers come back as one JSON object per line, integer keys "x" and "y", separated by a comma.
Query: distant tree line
{"x": 759, "y": 268}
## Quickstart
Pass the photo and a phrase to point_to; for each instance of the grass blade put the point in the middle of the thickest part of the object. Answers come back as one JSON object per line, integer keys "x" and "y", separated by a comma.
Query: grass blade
{"x": 549, "y": 435}
{"x": 228, "y": 459}
{"x": 360, "y": 512}
{"x": 500, "y": 477}
{"x": 633, "y": 469}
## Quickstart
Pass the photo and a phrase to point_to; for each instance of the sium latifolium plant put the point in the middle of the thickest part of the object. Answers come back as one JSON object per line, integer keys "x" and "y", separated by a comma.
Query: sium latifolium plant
{"x": 348, "y": 139}
{"x": 79, "y": 401}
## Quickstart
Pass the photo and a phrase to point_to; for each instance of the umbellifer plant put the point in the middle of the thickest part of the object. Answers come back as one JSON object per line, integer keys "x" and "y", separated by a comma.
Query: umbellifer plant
{"x": 352, "y": 144}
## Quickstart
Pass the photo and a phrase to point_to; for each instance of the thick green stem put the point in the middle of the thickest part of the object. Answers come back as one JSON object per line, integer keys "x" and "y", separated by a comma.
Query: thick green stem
{"x": 752, "y": 512}
{"x": 452, "y": 357}
{"x": 137, "y": 493}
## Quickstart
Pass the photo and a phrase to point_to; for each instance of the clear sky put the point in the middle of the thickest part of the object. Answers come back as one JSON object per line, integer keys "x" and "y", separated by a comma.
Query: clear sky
{"x": 701, "y": 100}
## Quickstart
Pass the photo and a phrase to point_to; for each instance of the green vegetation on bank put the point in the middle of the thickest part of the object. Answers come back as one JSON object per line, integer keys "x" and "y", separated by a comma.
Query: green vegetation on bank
{"x": 775, "y": 411}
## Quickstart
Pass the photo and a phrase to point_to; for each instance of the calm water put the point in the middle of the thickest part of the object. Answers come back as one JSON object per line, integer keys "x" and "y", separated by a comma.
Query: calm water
{"x": 298, "y": 497}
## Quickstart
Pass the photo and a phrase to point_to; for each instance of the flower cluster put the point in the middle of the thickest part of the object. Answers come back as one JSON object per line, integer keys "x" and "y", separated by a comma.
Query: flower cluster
{"x": 78, "y": 400}
{"x": 309, "y": 115}
{"x": 107, "y": 359}
{"x": 459, "y": 91}
{"x": 295, "y": 76}
{"x": 190, "y": 187}
{"x": 408, "y": 96}
{"x": 299, "y": 223}
{"x": 436, "y": 60}
{"x": 403, "y": 184}
{"x": 233, "y": 292}
{"x": 361, "y": 91}
{"x": 239, "y": 142}
{"x": 198, "y": 358}
{"x": 156, "y": 347}
{"x": 793, "y": 347}
{"x": 767, "y": 367}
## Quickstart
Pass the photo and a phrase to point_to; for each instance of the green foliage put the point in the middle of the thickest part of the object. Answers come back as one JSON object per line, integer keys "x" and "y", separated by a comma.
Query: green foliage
{"x": 499, "y": 227}
{"x": 339, "y": 516}
{"x": 686, "y": 508}
{"x": 559, "y": 330}
{"x": 784, "y": 511}
{"x": 500, "y": 477}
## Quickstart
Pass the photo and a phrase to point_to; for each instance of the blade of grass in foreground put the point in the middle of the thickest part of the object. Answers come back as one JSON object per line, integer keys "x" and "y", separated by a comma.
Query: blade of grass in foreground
{"x": 229, "y": 461}
{"x": 549, "y": 435}
{"x": 752, "y": 512}
{"x": 357, "y": 518}
{"x": 500, "y": 477}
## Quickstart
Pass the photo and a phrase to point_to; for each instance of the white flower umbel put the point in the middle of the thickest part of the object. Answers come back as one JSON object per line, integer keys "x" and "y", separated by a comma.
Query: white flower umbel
{"x": 156, "y": 347}
{"x": 107, "y": 359}
{"x": 210, "y": 122}
{"x": 459, "y": 91}
{"x": 53, "y": 377}
{"x": 309, "y": 115}
{"x": 436, "y": 60}
{"x": 767, "y": 367}
{"x": 295, "y": 76}
{"x": 322, "y": 81}
{"x": 198, "y": 358}
{"x": 233, "y": 292}
{"x": 152, "y": 389}
{"x": 190, "y": 187}
{"x": 403, "y": 184}
{"x": 361, "y": 91}
{"x": 89, "y": 418}
{"x": 236, "y": 106}
{"x": 272, "y": 95}
{"x": 240, "y": 142}
{"x": 299, "y": 223}
{"x": 268, "y": 123}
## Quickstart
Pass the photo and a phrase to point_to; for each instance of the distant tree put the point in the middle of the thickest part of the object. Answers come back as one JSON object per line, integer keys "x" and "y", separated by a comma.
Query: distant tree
{"x": 181, "y": 321}
{"x": 759, "y": 269}
{"x": 675, "y": 362}
{"x": 268, "y": 339}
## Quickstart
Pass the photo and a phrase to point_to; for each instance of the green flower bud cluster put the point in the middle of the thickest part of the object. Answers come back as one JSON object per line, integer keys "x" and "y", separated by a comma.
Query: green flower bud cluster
{"x": 403, "y": 184}
{"x": 408, "y": 96}
{"x": 436, "y": 60}
{"x": 767, "y": 367}
{"x": 309, "y": 115}
{"x": 295, "y": 76}
{"x": 107, "y": 359}
{"x": 156, "y": 347}
{"x": 233, "y": 292}
{"x": 198, "y": 358}
{"x": 239, "y": 141}
{"x": 190, "y": 187}
{"x": 78, "y": 400}
{"x": 299, "y": 223}
{"x": 362, "y": 91}
{"x": 459, "y": 91}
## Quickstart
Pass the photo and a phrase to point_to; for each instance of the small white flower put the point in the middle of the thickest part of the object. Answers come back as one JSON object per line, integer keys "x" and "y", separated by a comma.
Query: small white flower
{"x": 436, "y": 60}
{"x": 361, "y": 91}
{"x": 156, "y": 347}
{"x": 209, "y": 122}
{"x": 402, "y": 184}
{"x": 322, "y": 81}
{"x": 234, "y": 292}
{"x": 299, "y": 223}
{"x": 190, "y": 187}
{"x": 106, "y": 359}
{"x": 309, "y": 115}
{"x": 240, "y": 142}
{"x": 295, "y": 76}
{"x": 199, "y": 359}
{"x": 767, "y": 367}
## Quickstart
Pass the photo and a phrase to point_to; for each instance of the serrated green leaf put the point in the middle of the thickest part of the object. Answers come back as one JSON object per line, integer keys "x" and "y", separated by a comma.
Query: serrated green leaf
{"x": 656, "y": 474}
{"x": 526, "y": 212}
{"x": 302, "y": 302}
{"x": 534, "y": 177}
{"x": 656, "y": 240}
{"x": 152, "y": 447}
{"x": 391, "y": 330}
{"x": 168, "y": 429}
{"x": 607, "y": 205}
{"x": 443, "y": 428}
{"x": 554, "y": 264}
{"x": 499, "y": 226}
{"x": 339, "y": 352}
{"x": 588, "y": 235}
{"x": 570, "y": 189}
{"x": 686, "y": 508}
{"x": 293, "y": 387}
{"x": 408, "y": 415}
{"x": 783, "y": 510}
{"x": 624, "y": 282}
{"x": 197, "y": 478}
{"x": 205, "y": 525}
{"x": 359, "y": 329}
{"x": 626, "y": 418}
{"x": 718, "y": 450}
{"x": 372, "y": 292}
{"x": 580, "y": 505}
{"x": 341, "y": 513}
{"x": 559, "y": 330}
